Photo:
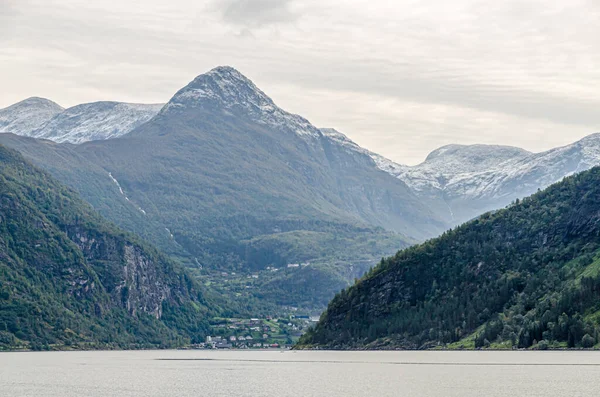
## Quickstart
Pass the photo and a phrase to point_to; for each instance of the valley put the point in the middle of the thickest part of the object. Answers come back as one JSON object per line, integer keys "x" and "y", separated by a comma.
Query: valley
{"x": 269, "y": 214}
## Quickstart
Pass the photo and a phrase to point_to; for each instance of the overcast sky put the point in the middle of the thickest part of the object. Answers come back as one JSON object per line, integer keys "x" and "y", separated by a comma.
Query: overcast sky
{"x": 399, "y": 77}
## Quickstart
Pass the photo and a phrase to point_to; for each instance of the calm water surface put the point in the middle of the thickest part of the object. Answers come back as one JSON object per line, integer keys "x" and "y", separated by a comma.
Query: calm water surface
{"x": 271, "y": 373}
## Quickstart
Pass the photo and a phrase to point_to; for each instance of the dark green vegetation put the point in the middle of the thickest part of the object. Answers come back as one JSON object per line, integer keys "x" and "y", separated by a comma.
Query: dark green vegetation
{"x": 524, "y": 277}
{"x": 240, "y": 189}
{"x": 70, "y": 279}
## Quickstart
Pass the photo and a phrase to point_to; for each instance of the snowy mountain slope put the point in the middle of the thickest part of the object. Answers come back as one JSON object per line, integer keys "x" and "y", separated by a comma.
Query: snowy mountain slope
{"x": 452, "y": 163}
{"x": 465, "y": 181}
{"x": 482, "y": 171}
{"x": 460, "y": 182}
{"x": 523, "y": 176}
{"x": 26, "y": 116}
{"x": 96, "y": 121}
{"x": 41, "y": 118}
{"x": 342, "y": 140}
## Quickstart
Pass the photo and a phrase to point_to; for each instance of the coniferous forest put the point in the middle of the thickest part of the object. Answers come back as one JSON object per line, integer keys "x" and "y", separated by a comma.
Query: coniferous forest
{"x": 527, "y": 276}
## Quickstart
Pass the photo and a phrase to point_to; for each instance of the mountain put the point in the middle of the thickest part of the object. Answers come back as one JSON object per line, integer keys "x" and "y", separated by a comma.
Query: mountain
{"x": 27, "y": 116}
{"x": 240, "y": 185}
{"x": 460, "y": 182}
{"x": 96, "y": 121}
{"x": 69, "y": 278}
{"x": 41, "y": 118}
{"x": 444, "y": 166}
{"x": 527, "y": 276}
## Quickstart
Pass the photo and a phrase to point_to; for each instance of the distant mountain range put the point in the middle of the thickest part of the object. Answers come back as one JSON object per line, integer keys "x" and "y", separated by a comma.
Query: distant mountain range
{"x": 224, "y": 179}
{"x": 461, "y": 182}
{"x": 44, "y": 119}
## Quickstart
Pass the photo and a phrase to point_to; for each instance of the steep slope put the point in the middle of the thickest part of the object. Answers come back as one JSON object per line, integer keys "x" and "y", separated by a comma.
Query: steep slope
{"x": 527, "y": 276}
{"x": 233, "y": 163}
{"x": 67, "y": 277}
{"x": 27, "y": 116}
{"x": 234, "y": 179}
{"x": 95, "y": 185}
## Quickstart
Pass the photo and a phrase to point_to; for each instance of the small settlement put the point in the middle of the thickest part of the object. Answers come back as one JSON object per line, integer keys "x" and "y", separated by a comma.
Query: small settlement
{"x": 255, "y": 333}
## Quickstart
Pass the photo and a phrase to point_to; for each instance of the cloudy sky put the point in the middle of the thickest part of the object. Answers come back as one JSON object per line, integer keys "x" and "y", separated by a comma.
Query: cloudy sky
{"x": 400, "y": 77}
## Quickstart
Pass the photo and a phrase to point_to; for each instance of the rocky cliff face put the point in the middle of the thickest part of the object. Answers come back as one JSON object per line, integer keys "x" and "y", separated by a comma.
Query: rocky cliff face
{"x": 135, "y": 281}
{"x": 142, "y": 287}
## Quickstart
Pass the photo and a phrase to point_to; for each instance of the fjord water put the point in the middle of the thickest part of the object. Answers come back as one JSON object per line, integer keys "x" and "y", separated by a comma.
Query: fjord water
{"x": 318, "y": 373}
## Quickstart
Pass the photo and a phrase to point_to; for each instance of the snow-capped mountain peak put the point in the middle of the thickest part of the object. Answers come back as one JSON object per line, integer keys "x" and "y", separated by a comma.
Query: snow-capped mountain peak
{"x": 226, "y": 89}
{"x": 26, "y": 116}
{"x": 96, "y": 121}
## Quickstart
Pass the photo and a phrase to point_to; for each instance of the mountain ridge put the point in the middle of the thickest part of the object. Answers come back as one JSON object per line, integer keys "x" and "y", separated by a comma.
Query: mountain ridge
{"x": 224, "y": 179}
{"x": 28, "y": 115}
{"x": 41, "y": 118}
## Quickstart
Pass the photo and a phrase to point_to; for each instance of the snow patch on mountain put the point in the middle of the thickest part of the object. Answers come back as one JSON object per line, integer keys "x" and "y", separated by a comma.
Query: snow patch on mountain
{"x": 26, "y": 116}
{"x": 227, "y": 89}
{"x": 535, "y": 171}
{"x": 491, "y": 171}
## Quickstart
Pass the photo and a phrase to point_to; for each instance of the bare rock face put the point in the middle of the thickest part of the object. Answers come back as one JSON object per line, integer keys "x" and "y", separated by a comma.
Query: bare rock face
{"x": 142, "y": 289}
{"x": 135, "y": 280}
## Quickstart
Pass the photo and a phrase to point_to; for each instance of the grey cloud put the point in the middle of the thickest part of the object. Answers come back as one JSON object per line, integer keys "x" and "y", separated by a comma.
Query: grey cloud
{"x": 8, "y": 10}
{"x": 490, "y": 76}
{"x": 409, "y": 83}
{"x": 256, "y": 13}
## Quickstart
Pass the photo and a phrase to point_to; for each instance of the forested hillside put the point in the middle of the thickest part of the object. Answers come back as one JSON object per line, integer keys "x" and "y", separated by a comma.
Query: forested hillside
{"x": 524, "y": 277}
{"x": 69, "y": 278}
